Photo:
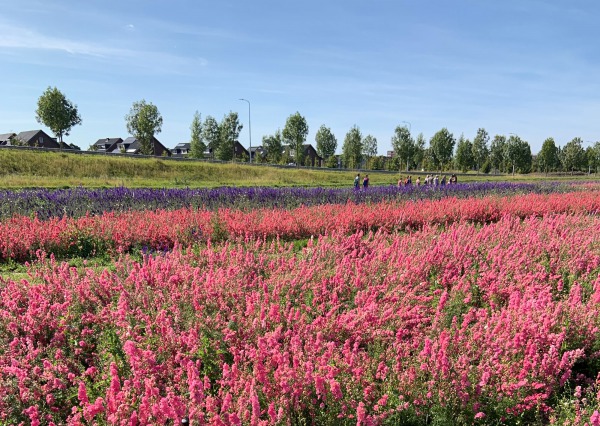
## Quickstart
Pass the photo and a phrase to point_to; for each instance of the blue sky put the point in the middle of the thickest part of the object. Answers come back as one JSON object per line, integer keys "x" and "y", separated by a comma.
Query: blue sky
{"x": 527, "y": 67}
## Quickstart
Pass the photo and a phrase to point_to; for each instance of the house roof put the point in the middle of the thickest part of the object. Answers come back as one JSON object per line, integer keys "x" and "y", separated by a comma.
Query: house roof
{"x": 133, "y": 145}
{"x": 109, "y": 141}
{"x": 183, "y": 145}
{"x": 28, "y": 135}
{"x": 6, "y": 136}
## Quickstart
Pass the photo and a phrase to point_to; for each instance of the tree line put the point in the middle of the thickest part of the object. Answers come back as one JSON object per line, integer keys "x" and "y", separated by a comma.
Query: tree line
{"x": 442, "y": 152}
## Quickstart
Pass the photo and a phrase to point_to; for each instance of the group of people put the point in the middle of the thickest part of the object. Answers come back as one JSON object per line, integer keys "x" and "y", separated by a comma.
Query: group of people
{"x": 435, "y": 180}
{"x": 429, "y": 180}
{"x": 365, "y": 181}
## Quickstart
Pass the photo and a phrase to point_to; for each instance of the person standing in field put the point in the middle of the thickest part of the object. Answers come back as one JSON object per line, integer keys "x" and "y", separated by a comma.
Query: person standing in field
{"x": 357, "y": 181}
{"x": 366, "y": 182}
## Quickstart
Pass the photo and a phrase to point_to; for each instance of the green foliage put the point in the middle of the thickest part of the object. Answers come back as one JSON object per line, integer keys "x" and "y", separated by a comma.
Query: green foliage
{"x": 593, "y": 156}
{"x": 464, "y": 154}
{"x": 352, "y": 149}
{"x": 294, "y": 133}
{"x": 378, "y": 163}
{"x": 497, "y": 158}
{"x": 419, "y": 154}
{"x": 56, "y": 112}
{"x": 573, "y": 157}
{"x": 273, "y": 146}
{"x": 369, "y": 148}
{"x": 486, "y": 167}
{"x": 518, "y": 154}
{"x": 404, "y": 145}
{"x": 211, "y": 134}
{"x": 442, "y": 147}
{"x": 480, "y": 149}
{"x": 143, "y": 122}
{"x": 331, "y": 162}
{"x": 229, "y": 132}
{"x": 197, "y": 145}
{"x": 326, "y": 142}
{"x": 548, "y": 156}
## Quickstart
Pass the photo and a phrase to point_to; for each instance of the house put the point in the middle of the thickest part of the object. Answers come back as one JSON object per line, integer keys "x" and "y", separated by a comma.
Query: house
{"x": 37, "y": 138}
{"x": 181, "y": 149}
{"x": 239, "y": 151}
{"x": 257, "y": 154}
{"x": 309, "y": 155}
{"x": 6, "y": 138}
{"x": 132, "y": 146}
{"x": 107, "y": 145}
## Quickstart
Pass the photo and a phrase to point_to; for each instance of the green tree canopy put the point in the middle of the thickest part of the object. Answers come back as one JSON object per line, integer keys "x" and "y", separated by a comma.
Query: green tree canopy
{"x": 497, "y": 152}
{"x": 419, "y": 155}
{"x": 404, "y": 145}
{"x": 442, "y": 145}
{"x": 143, "y": 122}
{"x": 517, "y": 153}
{"x": 352, "y": 149}
{"x": 273, "y": 146}
{"x": 464, "y": 154}
{"x": 326, "y": 142}
{"x": 211, "y": 134}
{"x": 197, "y": 145}
{"x": 548, "y": 156}
{"x": 56, "y": 112}
{"x": 294, "y": 133}
{"x": 229, "y": 132}
{"x": 369, "y": 147}
{"x": 574, "y": 155}
{"x": 593, "y": 154}
{"x": 480, "y": 148}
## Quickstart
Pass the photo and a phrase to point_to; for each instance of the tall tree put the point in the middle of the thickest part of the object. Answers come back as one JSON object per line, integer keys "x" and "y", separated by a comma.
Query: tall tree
{"x": 442, "y": 145}
{"x": 497, "y": 152}
{"x": 294, "y": 133}
{"x": 591, "y": 160}
{"x": 480, "y": 148}
{"x": 326, "y": 142}
{"x": 229, "y": 132}
{"x": 273, "y": 146}
{"x": 369, "y": 148}
{"x": 211, "y": 134}
{"x": 143, "y": 122}
{"x": 197, "y": 145}
{"x": 464, "y": 154}
{"x": 594, "y": 156}
{"x": 57, "y": 113}
{"x": 517, "y": 153}
{"x": 574, "y": 155}
{"x": 404, "y": 145}
{"x": 548, "y": 156}
{"x": 352, "y": 149}
{"x": 419, "y": 155}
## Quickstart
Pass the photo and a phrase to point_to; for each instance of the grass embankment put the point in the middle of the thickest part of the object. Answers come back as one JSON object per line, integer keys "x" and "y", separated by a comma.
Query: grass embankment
{"x": 20, "y": 169}
{"x": 24, "y": 169}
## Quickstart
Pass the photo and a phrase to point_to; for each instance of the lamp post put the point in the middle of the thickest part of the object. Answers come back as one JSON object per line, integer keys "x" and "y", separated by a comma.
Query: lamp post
{"x": 249, "y": 129}
{"x": 409, "y": 126}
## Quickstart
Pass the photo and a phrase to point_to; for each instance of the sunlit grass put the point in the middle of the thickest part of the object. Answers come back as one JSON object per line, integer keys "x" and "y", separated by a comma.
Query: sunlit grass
{"x": 25, "y": 169}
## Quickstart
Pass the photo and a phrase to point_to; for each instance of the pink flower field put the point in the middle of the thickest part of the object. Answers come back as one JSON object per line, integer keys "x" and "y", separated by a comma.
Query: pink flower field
{"x": 454, "y": 311}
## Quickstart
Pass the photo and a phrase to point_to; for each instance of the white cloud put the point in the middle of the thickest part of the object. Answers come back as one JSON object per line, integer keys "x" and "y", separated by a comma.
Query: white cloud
{"x": 14, "y": 38}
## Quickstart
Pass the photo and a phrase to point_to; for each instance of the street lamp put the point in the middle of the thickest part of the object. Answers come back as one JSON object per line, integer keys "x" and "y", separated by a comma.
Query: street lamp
{"x": 409, "y": 126}
{"x": 249, "y": 128}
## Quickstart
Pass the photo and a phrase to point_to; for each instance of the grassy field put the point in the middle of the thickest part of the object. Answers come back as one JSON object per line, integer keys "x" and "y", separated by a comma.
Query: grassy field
{"x": 26, "y": 169}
